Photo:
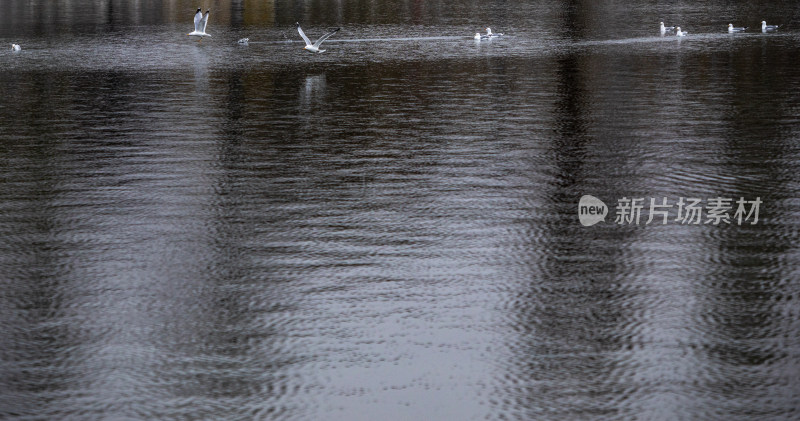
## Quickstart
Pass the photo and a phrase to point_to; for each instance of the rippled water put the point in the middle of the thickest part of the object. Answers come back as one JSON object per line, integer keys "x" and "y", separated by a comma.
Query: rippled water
{"x": 389, "y": 230}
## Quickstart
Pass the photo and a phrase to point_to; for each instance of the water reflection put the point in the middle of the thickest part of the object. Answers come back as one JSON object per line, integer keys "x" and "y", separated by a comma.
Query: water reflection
{"x": 313, "y": 91}
{"x": 200, "y": 230}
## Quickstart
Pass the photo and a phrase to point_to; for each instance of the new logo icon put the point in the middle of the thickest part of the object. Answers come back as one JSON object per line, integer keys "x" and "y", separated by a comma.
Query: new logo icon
{"x": 591, "y": 210}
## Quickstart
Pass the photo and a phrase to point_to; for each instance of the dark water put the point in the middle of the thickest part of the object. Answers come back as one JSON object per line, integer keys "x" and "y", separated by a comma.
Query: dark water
{"x": 389, "y": 230}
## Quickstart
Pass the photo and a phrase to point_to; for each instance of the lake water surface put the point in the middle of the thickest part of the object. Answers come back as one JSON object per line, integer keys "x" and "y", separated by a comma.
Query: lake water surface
{"x": 389, "y": 230}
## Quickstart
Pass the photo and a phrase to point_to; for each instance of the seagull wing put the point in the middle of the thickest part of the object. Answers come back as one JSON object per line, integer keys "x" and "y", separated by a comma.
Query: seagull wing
{"x": 197, "y": 18}
{"x": 204, "y": 21}
{"x": 326, "y": 36}
{"x": 303, "y": 35}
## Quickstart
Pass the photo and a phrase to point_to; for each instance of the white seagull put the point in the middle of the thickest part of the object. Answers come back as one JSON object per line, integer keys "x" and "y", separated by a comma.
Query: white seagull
{"x": 731, "y": 29}
{"x": 314, "y": 48}
{"x": 680, "y": 33}
{"x": 479, "y": 37}
{"x": 200, "y": 23}
{"x": 15, "y": 47}
{"x": 767, "y": 28}
{"x": 244, "y": 41}
{"x": 489, "y": 33}
{"x": 664, "y": 29}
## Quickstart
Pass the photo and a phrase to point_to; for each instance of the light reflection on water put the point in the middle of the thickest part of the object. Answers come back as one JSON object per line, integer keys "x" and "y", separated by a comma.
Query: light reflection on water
{"x": 388, "y": 230}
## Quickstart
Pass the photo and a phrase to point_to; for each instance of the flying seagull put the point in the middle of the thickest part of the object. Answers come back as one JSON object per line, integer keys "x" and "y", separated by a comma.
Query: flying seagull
{"x": 489, "y": 33}
{"x": 314, "y": 48}
{"x": 200, "y": 23}
{"x": 767, "y": 28}
{"x": 732, "y": 29}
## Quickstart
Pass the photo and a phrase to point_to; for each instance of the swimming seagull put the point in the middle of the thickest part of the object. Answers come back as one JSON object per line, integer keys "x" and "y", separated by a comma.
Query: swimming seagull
{"x": 767, "y": 28}
{"x": 731, "y": 29}
{"x": 314, "y": 48}
{"x": 489, "y": 33}
{"x": 479, "y": 37}
{"x": 244, "y": 41}
{"x": 664, "y": 29}
{"x": 200, "y": 23}
{"x": 15, "y": 47}
{"x": 680, "y": 33}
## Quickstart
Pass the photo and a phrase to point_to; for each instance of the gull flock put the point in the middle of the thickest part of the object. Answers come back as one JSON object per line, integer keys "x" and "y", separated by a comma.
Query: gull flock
{"x": 731, "y": 29}
{"x": 201, "y": 23}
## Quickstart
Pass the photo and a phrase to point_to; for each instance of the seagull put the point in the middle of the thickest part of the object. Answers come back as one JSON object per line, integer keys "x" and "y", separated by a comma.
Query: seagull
{"x": 479, "y": 37}
{"x": 15, "y": 47}
{"x": 244, "y": 41}
{"x": 200, "y": 23}
{"x": 680, "y": 33}
{"x": 314, "y": 48}
{"x": 489, "y": 33}
{"x": 664, "y": 29}
{"x": 767, "y": 28}
{"x": 731, "y": 29}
